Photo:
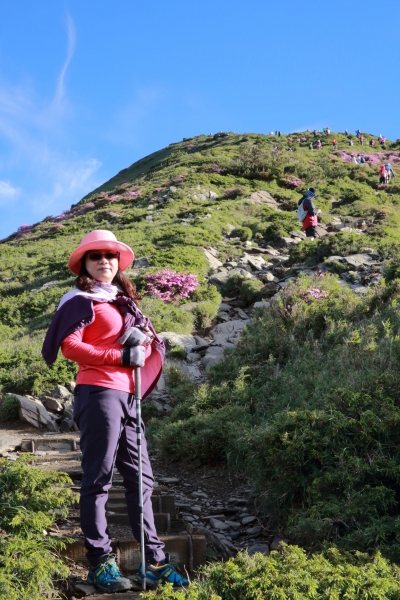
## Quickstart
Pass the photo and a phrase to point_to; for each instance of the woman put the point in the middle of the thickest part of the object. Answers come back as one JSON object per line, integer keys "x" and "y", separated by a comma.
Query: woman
{"x": 99, "y": 326}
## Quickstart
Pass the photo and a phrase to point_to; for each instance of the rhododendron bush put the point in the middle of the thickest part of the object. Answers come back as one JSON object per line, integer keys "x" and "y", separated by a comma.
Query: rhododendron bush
{"x": 171, "y": 286}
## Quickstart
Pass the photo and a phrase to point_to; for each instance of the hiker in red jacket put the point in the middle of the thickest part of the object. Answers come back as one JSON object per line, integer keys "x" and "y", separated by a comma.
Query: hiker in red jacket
{"x": 334, "y": 144}
{"x": 310, "y": 221}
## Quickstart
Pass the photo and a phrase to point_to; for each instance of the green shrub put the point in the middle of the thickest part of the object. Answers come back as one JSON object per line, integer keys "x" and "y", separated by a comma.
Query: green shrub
{"x": 166, "y": 317}
{"x": 290, "y": 574}
{"x": 30, "y": 561}
{"x": 244, "y": 233}
{"x": 9, "y": 408}
{"x": 250, "y": 290}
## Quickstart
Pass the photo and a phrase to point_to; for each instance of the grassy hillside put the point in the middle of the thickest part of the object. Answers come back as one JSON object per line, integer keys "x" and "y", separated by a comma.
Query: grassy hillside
{"x": 307, "y": 404}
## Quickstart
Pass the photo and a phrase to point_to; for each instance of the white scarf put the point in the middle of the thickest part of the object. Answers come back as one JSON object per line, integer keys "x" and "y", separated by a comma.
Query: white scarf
{"x": 102, "y": 292}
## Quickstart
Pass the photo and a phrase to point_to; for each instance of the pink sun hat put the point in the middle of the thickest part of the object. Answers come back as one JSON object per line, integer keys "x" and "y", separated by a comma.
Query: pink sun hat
{"x": 100, "y": 239}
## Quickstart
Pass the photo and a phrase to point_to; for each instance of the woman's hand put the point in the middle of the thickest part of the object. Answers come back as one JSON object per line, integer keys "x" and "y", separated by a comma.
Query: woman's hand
{"x": 133, "y": 356}
{"x": 134, "y": 336}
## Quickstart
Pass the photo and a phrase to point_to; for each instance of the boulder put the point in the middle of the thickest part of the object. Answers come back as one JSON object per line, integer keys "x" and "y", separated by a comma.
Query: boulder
{"x": 261, "y": 305}
{"x": 228, "y": 332}
{"x": 218, "y": 279}
{"x": 248, "y": 520}
{"x": 358, "y": 261}
{"x": 224, "y": 307}
{"x": 173, "y": 340}
{"x": 61, "y": 392}
{"x": 288, "y": 242}
{"x": 142, "y": 262}
{"x": 263, "y": 198}
{"x": 267, "y": 277}
{"x": 33, "y": 412}
{"x": 255, "y": 261}
{"x": 52, "y": 403}
{"x": 220, "y": 525}
{"x": 213, "y": 262}
{"x": 246, "y": 274}
{"x": 213, "y": 356}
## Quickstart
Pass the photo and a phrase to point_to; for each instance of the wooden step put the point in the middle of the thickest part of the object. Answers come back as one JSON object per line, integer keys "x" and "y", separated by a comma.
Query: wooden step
{"x": 163, "y": 522}
{"x": 187, "y": 552}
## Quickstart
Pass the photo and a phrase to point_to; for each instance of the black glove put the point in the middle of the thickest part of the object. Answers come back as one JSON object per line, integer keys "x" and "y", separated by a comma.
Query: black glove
{"x": 133, "y": 336}
{"x": 133, "y": 356}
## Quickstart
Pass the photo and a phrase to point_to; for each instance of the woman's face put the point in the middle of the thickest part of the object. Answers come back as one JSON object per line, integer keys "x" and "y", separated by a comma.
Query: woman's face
{"x": 101, "y": 266}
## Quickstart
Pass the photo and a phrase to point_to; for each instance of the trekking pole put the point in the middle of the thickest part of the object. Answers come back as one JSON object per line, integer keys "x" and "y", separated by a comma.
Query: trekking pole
{"x": 138, "y": 398}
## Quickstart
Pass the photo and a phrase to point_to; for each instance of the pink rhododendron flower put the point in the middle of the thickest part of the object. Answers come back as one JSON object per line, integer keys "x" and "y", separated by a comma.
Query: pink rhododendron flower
{"x": 171, "y": 286}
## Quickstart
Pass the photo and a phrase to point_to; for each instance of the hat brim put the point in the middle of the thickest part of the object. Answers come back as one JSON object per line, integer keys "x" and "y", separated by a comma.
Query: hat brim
{"x": 126, "y": 254}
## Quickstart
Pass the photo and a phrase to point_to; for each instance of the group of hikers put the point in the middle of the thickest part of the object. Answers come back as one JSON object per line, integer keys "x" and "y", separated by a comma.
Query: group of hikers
{"x": 386, "y": 173}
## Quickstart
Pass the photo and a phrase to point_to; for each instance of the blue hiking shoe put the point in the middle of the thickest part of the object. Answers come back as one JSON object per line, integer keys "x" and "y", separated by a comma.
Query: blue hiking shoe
{"x": 160, "y": 573}
{"x": 106, "y": 576}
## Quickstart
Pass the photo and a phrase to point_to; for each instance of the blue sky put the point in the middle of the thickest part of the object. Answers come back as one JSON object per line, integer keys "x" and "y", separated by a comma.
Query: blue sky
{"x": 89, "y": 87}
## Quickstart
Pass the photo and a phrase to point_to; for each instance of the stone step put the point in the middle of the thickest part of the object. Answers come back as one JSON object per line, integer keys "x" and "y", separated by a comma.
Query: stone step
{"x": 187, "y": 552}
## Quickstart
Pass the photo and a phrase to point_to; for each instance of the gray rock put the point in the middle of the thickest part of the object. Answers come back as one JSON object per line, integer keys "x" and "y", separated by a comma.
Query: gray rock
{"x": 52, "y": 403}
{"x": 142, "y": 262}
{"x": 61, "y": 393}
{"x": 212, "y": 195}
{"x": 359, "y": 260}
{"x": 33, "y": 412}
{"x": 233, "y": 524}
{"x": 298, "y": 234}
{"x": 71, "y": 385}
{"x": 261, "y": 305}
{"x": 68, "y": 425}
{"x": 218, "y": 279}
{"x": 263, "y": 198}
{"x": 289, "y": 242}
{"x": 86, "y": 589}
{"x": 213, "y": 262}
{"x": 248, "y": 520}
{"x": 267, "y": 278}
{"x": 228, "y": 332}
{"x": 224, "y": 307}
{"x": 173, "y": 340}
{"x": 241, "y": 314}
{"x": 254, "y": 530}
{"x": 359, "y": 289}
{"x": 157, "y": 405}
{"x": 213, "y": 356}
{"x": 258, "y": 548}
{"x": 218, "y": 524}
{"x": 242, "y": 272}
{"x": 275, "y": 543}
{"x": 68, "y": 412}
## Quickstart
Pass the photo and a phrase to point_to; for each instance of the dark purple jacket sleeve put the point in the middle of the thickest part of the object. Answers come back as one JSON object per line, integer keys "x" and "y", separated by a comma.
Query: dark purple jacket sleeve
{"x": 73, "y": 315}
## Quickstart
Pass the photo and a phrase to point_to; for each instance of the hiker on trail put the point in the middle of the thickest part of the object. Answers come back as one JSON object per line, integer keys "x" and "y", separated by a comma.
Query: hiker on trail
{"x": 307, "y": 214}
{"x": 351, "y": 143}
{"x": 328, "y": 131}
{"x": 354, "y": 160}
{"x": 311, "y": 146}
{"x": 372, "y": 142}
{"x": 358, "y": 133}
{"x": 334, "y": 144}
{"x": 318, "y": 145}
{"x": 382, "y": 141}
{"x": 390, "y": 172}
{"x": 346, "y": 132}
{"x": 361, "y": 159}
{"x": 361, "y": 139}
{"x": 315, "y": 133}
{"x": 99, "y": 326}
{"x": 383, "y": 174}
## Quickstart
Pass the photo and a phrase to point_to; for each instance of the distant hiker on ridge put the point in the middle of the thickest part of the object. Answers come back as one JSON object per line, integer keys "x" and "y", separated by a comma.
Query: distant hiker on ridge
{"x": 334, "y": 144}
{"x": 372, "y": 142}
{"x": 319, "y": 145}
{"x": 307, "y": 214}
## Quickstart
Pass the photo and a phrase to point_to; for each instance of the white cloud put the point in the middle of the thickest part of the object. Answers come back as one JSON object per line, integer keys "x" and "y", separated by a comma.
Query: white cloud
{"x": 7, "y": 191}
{"x": 60, "y": 90}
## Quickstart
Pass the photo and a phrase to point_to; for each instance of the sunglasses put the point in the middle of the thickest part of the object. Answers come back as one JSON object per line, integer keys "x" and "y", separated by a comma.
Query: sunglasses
{"x": 99, "y": 255}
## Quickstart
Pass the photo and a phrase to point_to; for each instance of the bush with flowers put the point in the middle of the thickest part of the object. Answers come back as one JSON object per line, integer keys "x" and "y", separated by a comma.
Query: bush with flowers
{"x": 170, "y": 286}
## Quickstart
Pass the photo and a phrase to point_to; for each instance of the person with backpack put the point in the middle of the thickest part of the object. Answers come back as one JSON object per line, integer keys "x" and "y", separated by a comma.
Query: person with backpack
{"x": 383, "y": 174}
{"x": 319, "y": 145}
{"x": 307, "y": 214}
{"x": 390, "y": 172}
{"x": 334, "y": 144}
{"x": 372, "y": 142}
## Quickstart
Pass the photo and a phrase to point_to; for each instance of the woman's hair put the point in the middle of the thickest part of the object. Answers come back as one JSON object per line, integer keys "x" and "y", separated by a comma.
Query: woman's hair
{"x": 86, "y": 283}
